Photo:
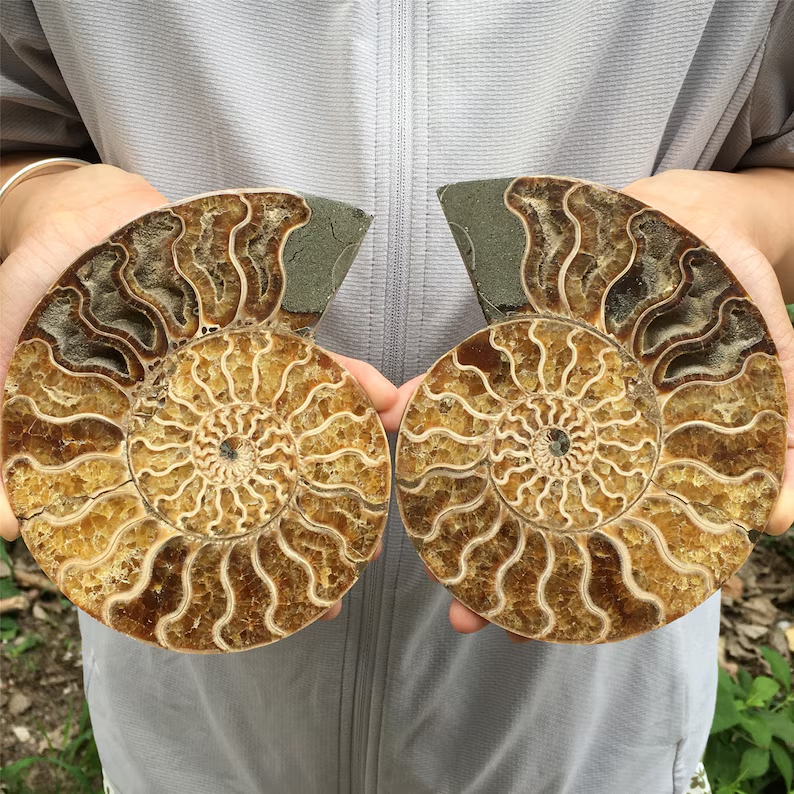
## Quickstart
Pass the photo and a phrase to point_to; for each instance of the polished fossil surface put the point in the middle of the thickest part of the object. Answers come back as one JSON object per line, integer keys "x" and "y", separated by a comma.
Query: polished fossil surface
{"x": 188, "y": 466}
{"x": 601, "y": 458}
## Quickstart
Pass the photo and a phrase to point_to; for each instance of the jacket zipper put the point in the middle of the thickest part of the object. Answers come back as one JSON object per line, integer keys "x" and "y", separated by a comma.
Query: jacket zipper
{"x": 401, "y": 162}
{"x": 396, "y": 304}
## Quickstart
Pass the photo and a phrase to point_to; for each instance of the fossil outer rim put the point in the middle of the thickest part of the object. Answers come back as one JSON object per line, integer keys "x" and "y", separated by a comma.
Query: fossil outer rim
{"x": 201, "y": 274}
{"x": 552, "y": 247}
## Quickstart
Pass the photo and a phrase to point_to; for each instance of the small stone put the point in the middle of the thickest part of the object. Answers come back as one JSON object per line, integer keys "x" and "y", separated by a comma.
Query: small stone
{"x": 5, "y": 570}
{"x": 39, "y": 612}
{"x": 21, "y": 732}
{"x": 777, "y": 642}
{"x": 18, "y": 704}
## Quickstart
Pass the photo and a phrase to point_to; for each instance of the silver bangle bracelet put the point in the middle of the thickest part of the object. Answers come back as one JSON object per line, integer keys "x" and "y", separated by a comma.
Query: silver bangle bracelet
{"x": 51, "y": 165}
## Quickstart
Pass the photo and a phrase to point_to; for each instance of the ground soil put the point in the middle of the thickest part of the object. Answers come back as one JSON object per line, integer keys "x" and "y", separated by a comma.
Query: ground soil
{"x": 41, "y": 689}
{"x": 758, "y": 609}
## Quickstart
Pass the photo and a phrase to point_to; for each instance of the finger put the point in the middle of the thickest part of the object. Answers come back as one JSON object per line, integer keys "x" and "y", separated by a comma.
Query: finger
{"x": 9, "y": 526}
{"x": 380, "y": 390}
{"x": 391, "y": 419}
{"x": 463, "y": 620}
{"x": 782, "y": 516}
{"x": 337, "y": 607}
{"x": 430, "y": 574}
{"x": 333, "y": 611}
{"x": 783, "y": 513}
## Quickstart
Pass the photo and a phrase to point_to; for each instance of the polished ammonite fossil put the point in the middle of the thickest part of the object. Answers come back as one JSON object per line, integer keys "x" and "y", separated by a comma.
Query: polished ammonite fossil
{"x": 187, "y": 465}
{"x": 599, "y": 460}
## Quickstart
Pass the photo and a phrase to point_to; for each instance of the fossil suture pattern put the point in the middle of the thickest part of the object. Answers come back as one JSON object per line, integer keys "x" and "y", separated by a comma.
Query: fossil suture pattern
{"x": 599, "y": 460}
{"x": 187, "y": 465}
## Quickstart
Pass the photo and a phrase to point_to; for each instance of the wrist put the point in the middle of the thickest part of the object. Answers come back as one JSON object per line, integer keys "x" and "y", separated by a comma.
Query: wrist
{"x": 20, "y": 204}
{"x": 767, "y": 200}
{"x": 747, "y": 211}
{"x": 84, "y": 204}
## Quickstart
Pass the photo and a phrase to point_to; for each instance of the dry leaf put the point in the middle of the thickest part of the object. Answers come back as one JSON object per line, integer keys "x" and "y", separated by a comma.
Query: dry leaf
{"x": 730, "y": 667}
{"x": 32, "y": 579}
{"x": 764, "y": 611}
{"x": 751, "y": 631}
{"x": 14, "y": 604}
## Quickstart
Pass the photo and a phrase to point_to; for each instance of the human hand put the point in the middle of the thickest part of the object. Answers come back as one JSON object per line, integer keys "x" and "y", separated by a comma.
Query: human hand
{"x": 384, "y": 396}
{"x": 737, "y": 215}
{"x": 48, "y": 221}
{"x": 733, "y": 214}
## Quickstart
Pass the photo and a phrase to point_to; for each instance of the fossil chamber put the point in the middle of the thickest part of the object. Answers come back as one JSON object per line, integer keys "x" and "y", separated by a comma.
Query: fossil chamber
{"x": 603, "y": 456}
{"x": 187, "y": 465}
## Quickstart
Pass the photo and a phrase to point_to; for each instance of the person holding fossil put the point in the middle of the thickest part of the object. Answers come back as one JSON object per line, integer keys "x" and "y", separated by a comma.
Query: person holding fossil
{"x": 686, "y": 106}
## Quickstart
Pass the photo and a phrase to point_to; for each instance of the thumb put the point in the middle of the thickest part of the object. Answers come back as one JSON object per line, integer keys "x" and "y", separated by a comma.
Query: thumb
{"x": 392, "y": 418}
{"x": 783, "y": 513}
{"x": 381, "y": 391}
{"x": 782, "y": 516}
{"x": 9, "y": 527}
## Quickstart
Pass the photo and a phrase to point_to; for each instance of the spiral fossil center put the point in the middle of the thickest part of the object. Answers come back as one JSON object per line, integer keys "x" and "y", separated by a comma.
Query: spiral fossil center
{"x": 233, "y": 442}
{"x": 545, "y": 435}
{"x": 557, "y": 440}
{"x": 235, "y": 458}
{"x": 222, "y": 466}
{"x": 579, "y": 451}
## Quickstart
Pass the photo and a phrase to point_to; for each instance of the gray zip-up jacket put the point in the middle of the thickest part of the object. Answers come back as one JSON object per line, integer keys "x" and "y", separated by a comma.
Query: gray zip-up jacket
{"x": 378, "y": 103}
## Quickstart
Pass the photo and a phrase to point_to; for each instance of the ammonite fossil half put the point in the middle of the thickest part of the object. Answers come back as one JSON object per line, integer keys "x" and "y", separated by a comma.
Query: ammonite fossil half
{"x": 598, "y": 461}
{"x": 187, "y": 465}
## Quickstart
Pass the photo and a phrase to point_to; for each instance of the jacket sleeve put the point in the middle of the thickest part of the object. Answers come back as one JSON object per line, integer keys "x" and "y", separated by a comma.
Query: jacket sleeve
{"x": 36, "y": 107}
{"x": 763, "y": 134}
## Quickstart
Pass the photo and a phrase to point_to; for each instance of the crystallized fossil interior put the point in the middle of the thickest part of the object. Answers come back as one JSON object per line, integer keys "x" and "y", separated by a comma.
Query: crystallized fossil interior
{"x": 599, "y": 460}
{"x": 187, "y": 465}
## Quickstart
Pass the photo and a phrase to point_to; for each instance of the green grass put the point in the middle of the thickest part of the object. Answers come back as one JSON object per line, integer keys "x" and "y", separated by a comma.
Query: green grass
{"x": 751, "y": 746}
{"x": 74, "y": 769}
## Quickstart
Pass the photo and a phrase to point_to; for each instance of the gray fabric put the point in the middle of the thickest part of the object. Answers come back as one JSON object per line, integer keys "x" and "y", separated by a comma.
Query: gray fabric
{"x": 36, "y": 109}
{"x": 763, "y": 133}
{"x": 377, "y": 104}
